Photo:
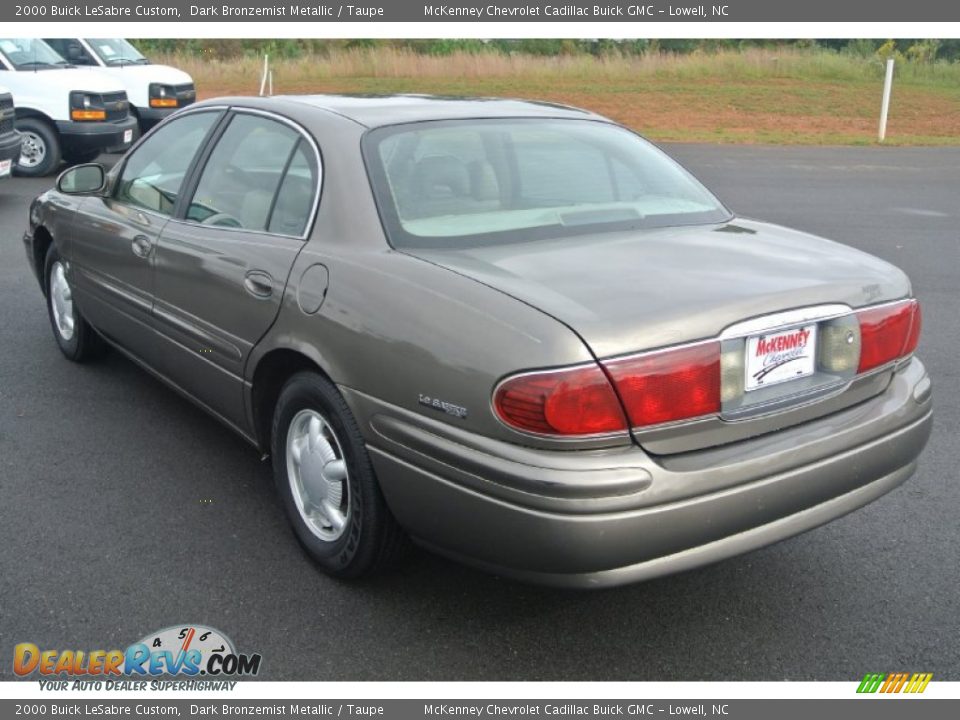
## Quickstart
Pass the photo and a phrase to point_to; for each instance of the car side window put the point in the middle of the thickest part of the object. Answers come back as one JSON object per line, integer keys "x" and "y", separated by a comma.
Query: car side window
{"x": 239, "y": 183}
{"x": 154, "y": 172}
{"x": 291, "y": 210}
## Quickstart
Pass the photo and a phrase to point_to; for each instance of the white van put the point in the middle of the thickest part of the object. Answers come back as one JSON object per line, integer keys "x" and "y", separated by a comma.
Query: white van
{"x": 62, "y": 112}
{"x": 155, "y": 91}
{"x": 9, "y": 137}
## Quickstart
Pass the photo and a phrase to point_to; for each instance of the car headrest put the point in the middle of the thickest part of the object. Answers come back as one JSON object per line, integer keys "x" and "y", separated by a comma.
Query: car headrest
{"x": 441, "y": 176}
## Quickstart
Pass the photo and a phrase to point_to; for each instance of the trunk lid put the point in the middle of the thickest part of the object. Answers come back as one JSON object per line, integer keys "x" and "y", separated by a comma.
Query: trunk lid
{"x": 629, "y": 292}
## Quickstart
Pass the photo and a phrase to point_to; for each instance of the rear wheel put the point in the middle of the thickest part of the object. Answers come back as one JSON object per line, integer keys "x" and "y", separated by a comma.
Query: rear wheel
{"x": 326, "y": 480}
{"x": 76, "y": 339}
{"x": 40, "y": 150}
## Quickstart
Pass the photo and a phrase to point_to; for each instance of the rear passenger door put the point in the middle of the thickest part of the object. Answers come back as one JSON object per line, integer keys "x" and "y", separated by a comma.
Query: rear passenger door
{"x": 222, "y": 265}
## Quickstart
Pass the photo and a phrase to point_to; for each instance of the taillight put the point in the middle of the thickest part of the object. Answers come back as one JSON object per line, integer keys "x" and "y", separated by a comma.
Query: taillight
{"x": 669, "y": 385}
{"x": 913, "y": 339}
{"x": 690, "y": 381}
{"x": 572, "y": 401}
{"x": 888, "y": 333}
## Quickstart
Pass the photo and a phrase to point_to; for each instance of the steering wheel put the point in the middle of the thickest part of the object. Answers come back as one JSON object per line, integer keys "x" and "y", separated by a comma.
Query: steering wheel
{"x": 222, "y": 219}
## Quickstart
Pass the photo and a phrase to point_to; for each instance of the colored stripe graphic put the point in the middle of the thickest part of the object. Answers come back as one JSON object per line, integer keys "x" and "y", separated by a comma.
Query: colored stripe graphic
{"x": 870, "y": 683}
{"x": 919, "y": 682}
{"x": 894, "y": 683}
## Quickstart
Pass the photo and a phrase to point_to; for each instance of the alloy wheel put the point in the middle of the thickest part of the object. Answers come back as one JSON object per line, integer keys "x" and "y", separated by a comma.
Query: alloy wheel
{"x": 61, "y": 301}
{"x": 318, "y": 475}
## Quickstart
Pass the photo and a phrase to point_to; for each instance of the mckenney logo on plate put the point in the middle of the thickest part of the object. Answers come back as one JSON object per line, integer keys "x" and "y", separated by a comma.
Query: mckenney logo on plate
{"x": 781, "y": 356}
{"x": 785, "y": 341}
{"x": 180, "y": 650}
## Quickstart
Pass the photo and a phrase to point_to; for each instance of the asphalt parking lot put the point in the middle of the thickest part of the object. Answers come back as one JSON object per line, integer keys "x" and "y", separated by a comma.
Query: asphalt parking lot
{"x": 124, "y": 509}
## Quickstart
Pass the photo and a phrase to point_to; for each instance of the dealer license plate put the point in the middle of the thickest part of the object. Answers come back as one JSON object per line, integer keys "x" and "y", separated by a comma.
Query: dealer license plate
{"x": 5, "y": 166}
{"x": 127, "y": 136}
{"x": 781, "y": 356}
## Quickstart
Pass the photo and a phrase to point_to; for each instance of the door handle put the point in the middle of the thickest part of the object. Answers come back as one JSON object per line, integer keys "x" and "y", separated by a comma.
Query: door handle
{"x": 258, "y": 284}
{"x": 141, "y": 246}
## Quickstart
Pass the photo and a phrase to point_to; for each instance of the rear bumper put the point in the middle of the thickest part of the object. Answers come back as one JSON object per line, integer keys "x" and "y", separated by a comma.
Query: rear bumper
{"x": 10, "y": 146}
{"x": 9, "y": 153}
{"x": 612, "y": 517}
{"x": 87, "y": 136}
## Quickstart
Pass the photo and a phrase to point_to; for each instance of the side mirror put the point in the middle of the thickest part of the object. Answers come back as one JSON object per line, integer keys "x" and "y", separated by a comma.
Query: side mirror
{"x": 82, "y": 179}
{"x": 76, "y": 55}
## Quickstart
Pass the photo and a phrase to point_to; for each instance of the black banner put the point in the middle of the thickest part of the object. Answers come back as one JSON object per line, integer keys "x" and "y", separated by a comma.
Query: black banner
{"x": 473, "y": 11}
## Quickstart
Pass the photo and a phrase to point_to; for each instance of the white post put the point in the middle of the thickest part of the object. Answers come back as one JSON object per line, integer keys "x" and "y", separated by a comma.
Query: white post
{"x": 263, "y": 78}
{"x": 885, "y": 107}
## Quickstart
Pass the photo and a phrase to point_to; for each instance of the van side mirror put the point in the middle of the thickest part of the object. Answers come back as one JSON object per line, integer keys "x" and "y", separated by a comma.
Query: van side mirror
{"x": 77, "y": 55}
{"x": 82, "y": 179}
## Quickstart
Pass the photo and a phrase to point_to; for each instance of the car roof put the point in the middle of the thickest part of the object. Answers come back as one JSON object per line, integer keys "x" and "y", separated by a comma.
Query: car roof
{"x": 379, "y": 110}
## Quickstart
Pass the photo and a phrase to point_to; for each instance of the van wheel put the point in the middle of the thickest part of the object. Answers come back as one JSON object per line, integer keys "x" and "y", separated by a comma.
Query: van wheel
{"x": 326, "y": 481}
{"x": 40, "y": 151}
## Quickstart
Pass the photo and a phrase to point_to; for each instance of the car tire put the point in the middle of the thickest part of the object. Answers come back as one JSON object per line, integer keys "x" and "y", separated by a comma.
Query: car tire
{"x": 328, "y": 486}
{"x": 77, "y": 340}
{"x": 40, "y": 151}
{"x": 81, "y": 156}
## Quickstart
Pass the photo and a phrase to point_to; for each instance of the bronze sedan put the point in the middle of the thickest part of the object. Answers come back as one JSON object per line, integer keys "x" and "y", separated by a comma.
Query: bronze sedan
{"x": 514, "y": 332}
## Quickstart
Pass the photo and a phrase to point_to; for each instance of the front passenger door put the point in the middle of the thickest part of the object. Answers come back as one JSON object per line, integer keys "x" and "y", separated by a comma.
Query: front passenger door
{"x": 222, "y": 269}
{"x": 114, "y": 237}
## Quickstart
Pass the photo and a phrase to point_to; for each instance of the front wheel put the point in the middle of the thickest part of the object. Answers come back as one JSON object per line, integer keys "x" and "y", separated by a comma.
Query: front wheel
{"x": 326, "y": 481}
{"x": 76, "y": 339}
{"x": 40, "y": 149}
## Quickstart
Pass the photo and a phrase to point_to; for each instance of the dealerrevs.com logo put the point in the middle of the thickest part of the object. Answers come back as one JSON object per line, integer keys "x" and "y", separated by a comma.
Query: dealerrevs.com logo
{"x": 181, "y": 651}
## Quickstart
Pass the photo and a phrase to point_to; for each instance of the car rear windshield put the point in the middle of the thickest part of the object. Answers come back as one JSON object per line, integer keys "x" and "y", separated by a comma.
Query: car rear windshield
{"x": 450, "y": 184}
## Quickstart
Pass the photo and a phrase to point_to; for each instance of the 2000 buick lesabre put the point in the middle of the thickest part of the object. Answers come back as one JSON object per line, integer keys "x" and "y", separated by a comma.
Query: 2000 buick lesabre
{"x": 514, "y": 332}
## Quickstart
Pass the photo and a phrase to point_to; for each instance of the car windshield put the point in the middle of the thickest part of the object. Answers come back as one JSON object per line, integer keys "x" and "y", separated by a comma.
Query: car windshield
{"x": 461, "y": 183}
{"x": 117, "y": 51}
{"x": 30, "y": 54}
